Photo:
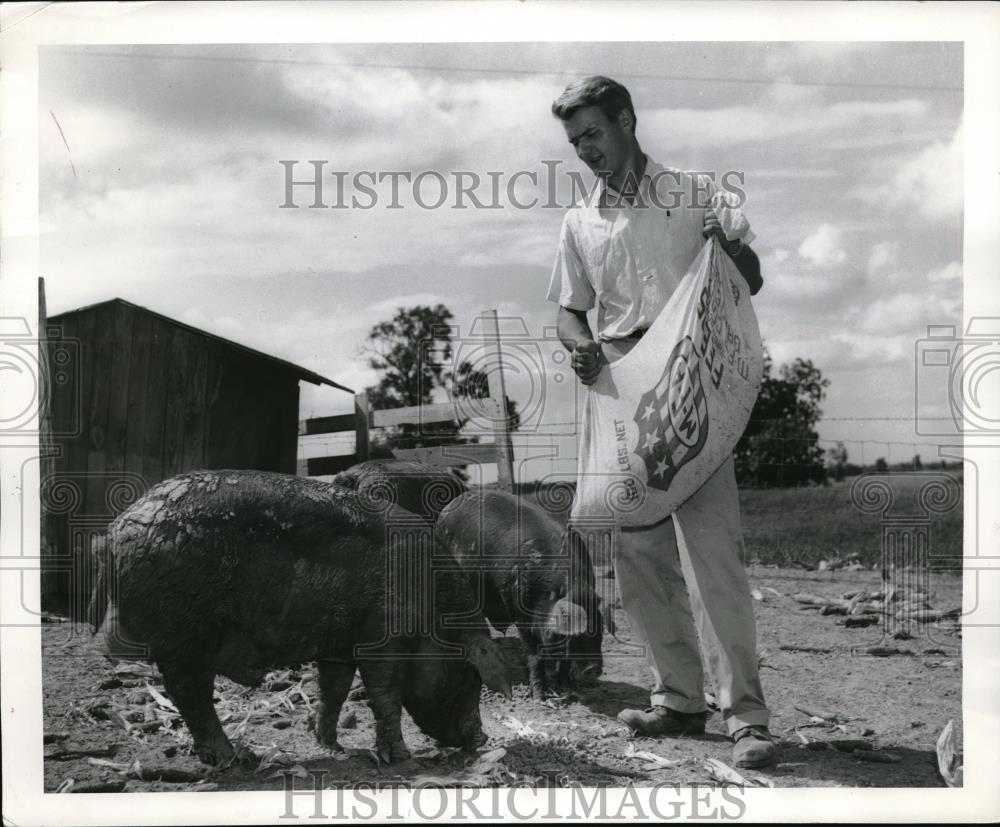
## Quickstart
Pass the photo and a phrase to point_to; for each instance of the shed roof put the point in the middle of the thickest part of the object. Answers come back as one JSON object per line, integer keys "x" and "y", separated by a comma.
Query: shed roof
{"x": 300, "y": 372}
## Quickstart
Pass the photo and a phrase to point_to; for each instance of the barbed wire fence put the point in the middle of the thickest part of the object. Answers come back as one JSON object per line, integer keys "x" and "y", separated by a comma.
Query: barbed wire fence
{"x": 548, "y": 451}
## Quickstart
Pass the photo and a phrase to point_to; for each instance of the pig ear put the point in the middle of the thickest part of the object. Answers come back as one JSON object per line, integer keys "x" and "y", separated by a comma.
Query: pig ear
{"x": 487, "y": 659}
{"x": 567, "y": 618}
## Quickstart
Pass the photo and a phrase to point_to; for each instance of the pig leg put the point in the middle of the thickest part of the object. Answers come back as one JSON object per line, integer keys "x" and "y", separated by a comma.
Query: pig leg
{"x": 383, "y": 679}
{"x": 191, "y": 689}
{"x": 537, "y": 677}
{"x": 335, "y": 679}
{"x": 563, "y": 676}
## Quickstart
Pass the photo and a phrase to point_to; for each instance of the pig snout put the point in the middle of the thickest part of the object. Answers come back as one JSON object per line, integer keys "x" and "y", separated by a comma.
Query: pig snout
{"x": 458, "y": 727}
{"x": 486, "y": 657}
{"x": 467, "y": 734}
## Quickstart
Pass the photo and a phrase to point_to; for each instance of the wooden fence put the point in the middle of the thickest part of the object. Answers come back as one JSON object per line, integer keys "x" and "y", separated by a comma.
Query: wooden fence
{"x": 491, "y": 410}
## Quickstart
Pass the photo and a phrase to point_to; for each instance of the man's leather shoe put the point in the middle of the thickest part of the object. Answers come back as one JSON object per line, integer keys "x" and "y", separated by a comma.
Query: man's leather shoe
{"x": 754, "y": 747}
{"x": 661, "y": 720}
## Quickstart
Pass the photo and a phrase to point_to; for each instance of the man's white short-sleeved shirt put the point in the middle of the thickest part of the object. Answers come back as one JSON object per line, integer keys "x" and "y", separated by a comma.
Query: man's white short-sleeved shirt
{"x": 628, "y": 259}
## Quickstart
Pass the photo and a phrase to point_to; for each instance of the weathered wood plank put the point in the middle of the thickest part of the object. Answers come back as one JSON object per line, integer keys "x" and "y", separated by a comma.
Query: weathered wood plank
{"x": 178, "y": 343}
{"x": 88, "y": 488}
{"x": 195, "y": 405}
{"x": 325, "y": 466}
{"x": 64, "y": 395}
{"x": 115, "y": 442}
{"x": 155, "y": 402}
{"x": 288, "y": 416}
{"x": 100, "y": 393}
{"x": 227, "y": 443}
{"x": 65, "y": 400}
{"x": 251, "y": 420}
{"x": 265, "y": 418}
{"x": 326, "y": 424}
{"x": 449, "y": 455}
{"x": 79, "y": 445}
{"x": 417, "y": 415}
{"x": 71, "y": 553}
{"x": 49, "y": 526}
{"x": 362, "y": 419}
{"x": 498, "y": 391}
{"x": 137, "y": 381}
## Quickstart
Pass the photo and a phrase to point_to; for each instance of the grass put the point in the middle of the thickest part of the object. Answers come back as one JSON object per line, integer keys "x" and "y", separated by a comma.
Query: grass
{"x": 822, "y": 523}
{"x": 810, "y": 524}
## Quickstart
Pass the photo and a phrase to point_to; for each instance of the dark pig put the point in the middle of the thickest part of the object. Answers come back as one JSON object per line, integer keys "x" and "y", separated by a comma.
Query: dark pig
{"x": 240, "y": 572}
{"x": 535, "y": 575}
{"x": 419, "y": 488}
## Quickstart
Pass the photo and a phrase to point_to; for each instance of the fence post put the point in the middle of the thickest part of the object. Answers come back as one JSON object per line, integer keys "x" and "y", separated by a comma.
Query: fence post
{"x": 505, "y": 449}
{"x": 362, "y": 421}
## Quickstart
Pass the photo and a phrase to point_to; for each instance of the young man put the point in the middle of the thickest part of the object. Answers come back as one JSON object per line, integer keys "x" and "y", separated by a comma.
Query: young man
{"x": 681, "y": 579}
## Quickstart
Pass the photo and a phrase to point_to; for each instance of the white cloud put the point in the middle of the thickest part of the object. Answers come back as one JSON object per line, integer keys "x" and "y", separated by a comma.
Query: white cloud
{"x": 798, "y": 54}
{"x": 875, "y": 350}
{"x": 801, "y": 285}
{"x": 910, "y": 312}
{"x": 950, "y": 272}
{"x": 391, "y": 305}
{"x": 178, "y": 185}
{"x": 823, "y": 353}
{"x": 825, "y": 247}
{"x": 409, "y": 119}
{"x": 796, "y": 173}
{"x": 933, "y": 181}
{"x": 897, "y": 140}
{"x": 884, "y": 256}
{"x": 903, "y": 311}
{"x": 784, "y": 91}
{"x": 740, "y": 124}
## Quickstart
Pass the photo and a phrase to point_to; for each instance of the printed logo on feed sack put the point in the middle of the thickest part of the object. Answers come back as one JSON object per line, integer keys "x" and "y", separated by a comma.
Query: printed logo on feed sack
{"x": 672, "y": 417}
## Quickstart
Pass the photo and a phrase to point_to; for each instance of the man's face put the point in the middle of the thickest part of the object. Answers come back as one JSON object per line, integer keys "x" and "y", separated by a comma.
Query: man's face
{"x": 604, "y": 146}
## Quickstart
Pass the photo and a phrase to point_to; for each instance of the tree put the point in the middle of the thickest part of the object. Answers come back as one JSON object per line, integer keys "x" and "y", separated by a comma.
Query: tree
{"x": 412, "y": 352}
{"x": 881, "y": 464}
{"x": 780, "y": 446}
{"x": 836, "y": 459}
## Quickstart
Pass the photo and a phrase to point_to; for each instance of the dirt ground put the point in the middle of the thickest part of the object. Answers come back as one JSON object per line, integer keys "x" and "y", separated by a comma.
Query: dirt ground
{"x": 109, "y": 739}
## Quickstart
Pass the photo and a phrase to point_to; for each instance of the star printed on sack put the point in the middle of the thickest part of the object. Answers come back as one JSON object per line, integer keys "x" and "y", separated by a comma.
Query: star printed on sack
{"x": 651, "y": 440}
{"x": 672, "y": 417}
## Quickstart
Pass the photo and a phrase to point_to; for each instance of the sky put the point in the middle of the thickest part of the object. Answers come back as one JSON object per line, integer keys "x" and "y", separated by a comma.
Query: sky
{"x": 160, "y": 183}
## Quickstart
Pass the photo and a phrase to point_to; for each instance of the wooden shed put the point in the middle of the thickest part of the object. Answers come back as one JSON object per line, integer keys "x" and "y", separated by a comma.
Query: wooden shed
{"x": 141, "y": 397}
